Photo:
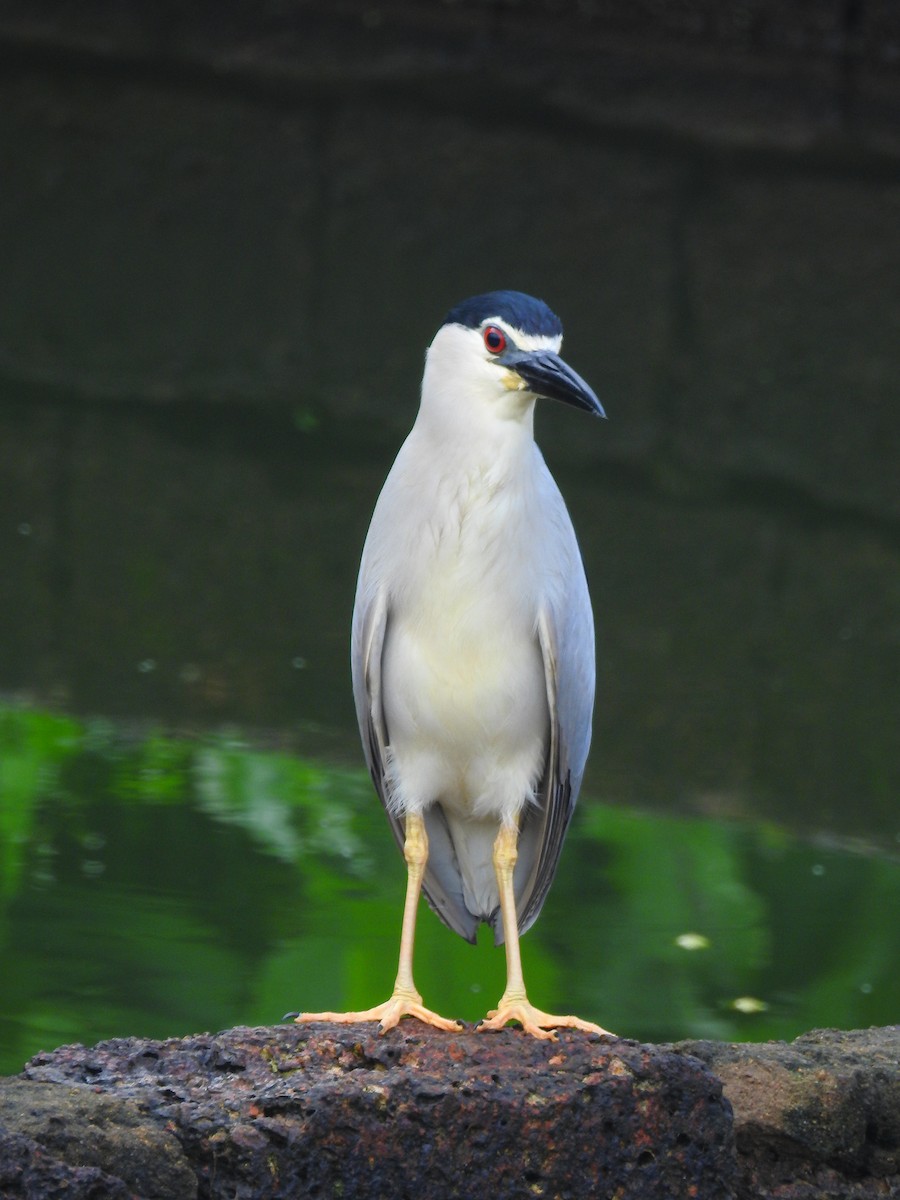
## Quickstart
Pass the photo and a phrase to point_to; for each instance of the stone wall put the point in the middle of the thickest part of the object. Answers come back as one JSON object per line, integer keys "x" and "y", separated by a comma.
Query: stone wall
{"x": 278, "y": 203}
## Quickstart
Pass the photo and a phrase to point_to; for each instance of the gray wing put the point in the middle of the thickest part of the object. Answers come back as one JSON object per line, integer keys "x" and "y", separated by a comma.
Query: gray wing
{"x": 366, "y": 648}
{"x": 441, "y": 885}
{"x": 566, "y": 638}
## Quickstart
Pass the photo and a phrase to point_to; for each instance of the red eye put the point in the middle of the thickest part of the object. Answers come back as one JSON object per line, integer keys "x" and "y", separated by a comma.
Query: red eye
{"x": 494, "y": 339}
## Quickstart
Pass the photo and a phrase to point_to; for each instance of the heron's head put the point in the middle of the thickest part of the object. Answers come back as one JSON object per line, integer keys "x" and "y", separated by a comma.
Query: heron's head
{"x": 495, "y": 354}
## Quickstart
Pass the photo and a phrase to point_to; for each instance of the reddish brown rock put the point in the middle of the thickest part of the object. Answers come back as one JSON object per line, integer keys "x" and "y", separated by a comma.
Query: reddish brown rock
{"x": 335, "y": 1110}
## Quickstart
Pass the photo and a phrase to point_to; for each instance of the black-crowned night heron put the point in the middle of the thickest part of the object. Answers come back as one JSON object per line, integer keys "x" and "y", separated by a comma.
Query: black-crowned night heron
{"x": 473, "y": 646}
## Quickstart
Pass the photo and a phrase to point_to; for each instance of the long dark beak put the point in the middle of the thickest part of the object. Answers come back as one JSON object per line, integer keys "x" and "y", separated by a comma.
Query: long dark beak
{"x": 548, "y": 375}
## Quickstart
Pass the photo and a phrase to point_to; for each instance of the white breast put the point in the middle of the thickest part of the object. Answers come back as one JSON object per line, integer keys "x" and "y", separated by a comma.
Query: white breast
{"x": 464, "y": 688}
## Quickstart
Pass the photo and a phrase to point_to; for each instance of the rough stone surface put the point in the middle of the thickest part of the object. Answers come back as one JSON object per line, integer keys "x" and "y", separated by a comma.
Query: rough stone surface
{"x": 333, "y": 1110}
{"x": 86, "y": 1129}
{"x": 28, "y": 1169}
{"x": 341, "y": 1111}
{"x": 817, "y": 1119}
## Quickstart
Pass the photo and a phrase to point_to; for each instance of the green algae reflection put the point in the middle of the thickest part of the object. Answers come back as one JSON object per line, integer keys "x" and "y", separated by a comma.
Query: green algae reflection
{"x": 159, "y": 886}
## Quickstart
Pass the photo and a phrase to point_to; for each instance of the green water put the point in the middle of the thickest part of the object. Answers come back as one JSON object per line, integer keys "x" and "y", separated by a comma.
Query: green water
{"x": 188, "y": 839}
{"x": 215, "y": 307}
{"x": 158, "y": 885}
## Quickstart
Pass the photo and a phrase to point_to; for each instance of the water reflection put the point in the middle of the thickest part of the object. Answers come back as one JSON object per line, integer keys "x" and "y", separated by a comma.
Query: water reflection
{"x": 172, "y": 554}
{"x": 160, "y": 885}
{"x": 197, "y": 565}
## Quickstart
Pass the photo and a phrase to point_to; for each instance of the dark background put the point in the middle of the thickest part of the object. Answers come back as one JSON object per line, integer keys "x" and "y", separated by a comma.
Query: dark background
{"x": 227, "y": 233}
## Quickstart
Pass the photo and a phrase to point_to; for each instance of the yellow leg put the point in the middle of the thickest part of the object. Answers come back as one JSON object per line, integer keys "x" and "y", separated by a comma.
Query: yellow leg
{"x": 514, "y": 1004}
{"x": 405, "y": 1001}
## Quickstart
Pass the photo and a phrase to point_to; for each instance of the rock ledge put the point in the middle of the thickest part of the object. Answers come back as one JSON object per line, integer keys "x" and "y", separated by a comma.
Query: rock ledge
{"x": 339, "y": 1111}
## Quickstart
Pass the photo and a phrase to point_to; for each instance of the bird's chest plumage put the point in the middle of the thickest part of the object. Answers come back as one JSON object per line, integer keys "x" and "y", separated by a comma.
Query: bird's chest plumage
{"x": 462, "y": 653}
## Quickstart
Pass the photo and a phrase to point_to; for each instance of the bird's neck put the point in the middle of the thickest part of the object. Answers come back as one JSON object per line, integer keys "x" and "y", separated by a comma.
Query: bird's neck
{"x": 474, "y": 434}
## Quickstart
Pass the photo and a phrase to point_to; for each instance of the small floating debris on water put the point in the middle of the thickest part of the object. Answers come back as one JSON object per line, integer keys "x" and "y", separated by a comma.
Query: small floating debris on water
{"x": 693, "y": 941}
{"x": 749, "y": 1004}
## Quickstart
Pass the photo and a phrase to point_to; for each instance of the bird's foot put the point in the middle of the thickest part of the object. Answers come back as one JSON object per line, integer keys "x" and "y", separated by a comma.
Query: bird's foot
{"x": 539, "y": 1024}
{"x": 401, "y": 1004}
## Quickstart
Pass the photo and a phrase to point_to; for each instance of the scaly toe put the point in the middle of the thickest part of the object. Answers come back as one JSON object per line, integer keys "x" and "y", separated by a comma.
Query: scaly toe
{"x": 535, "y": 1022}
{"x": 387, "y": 1014}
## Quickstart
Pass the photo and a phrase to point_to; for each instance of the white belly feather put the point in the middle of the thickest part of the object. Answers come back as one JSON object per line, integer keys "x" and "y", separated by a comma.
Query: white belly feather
{"x": 463, "y": 684}
{"x": 464, "y": 687}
